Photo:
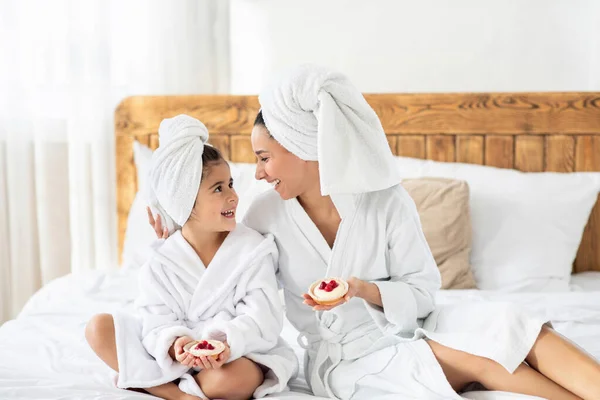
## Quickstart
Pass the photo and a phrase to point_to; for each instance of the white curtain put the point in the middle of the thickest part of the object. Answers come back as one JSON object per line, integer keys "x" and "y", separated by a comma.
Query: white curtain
{"x": 64, "y": 67}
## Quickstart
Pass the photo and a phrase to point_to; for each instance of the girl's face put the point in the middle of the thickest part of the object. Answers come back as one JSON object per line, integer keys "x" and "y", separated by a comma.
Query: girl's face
{"x": 290, "y": 175}
{"x": 216, "y": 202}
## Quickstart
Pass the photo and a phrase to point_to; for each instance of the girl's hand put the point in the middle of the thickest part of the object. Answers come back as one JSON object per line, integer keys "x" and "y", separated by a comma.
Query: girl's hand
{"x": 161, "y": 233}
{"x": 354, "y": 287}
{"x": 181, "y": 355}
{"x": 205, "y": 362}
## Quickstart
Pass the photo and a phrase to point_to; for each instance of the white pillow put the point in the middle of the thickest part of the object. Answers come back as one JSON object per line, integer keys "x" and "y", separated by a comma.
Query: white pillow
{"x": 526, "y": 226}
{"x": 139, "y": 233}
{"x": 588, "y": 281}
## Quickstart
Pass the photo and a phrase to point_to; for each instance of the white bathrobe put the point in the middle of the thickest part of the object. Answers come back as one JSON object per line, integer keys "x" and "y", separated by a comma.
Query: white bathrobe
{"x": 235, "y": 298}
{"x": 359, "y": 350}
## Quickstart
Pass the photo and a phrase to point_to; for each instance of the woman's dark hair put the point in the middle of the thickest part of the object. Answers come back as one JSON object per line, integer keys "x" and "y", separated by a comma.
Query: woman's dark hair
{"x": 211, "y": 156}
{"x": 259, "y": 120}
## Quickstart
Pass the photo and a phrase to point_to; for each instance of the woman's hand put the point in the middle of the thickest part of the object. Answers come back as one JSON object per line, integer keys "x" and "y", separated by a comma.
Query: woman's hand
{"x": 161, "y": 233}
{"x": 205, "y": 362}
{"x": 181, "y": 355}
{"x": 354, "y": 290}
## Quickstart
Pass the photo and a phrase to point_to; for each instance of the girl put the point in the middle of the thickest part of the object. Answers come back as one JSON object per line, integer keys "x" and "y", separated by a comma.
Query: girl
{"x": 209, "y": 280}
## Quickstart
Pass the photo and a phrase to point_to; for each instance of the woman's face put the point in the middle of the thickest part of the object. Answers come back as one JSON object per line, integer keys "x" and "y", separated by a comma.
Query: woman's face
{"x": 290, "y": 175}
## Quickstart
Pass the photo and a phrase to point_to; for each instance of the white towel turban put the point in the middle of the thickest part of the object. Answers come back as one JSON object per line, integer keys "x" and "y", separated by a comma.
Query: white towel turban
{"x": 176, "y": 169}
{"x": 318, "y": 115}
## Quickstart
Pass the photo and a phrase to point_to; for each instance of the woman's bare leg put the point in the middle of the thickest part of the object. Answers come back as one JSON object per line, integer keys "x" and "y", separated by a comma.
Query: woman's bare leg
{"x": 566, "y": 364}
{"x": 463, "y": 368}
{"x": 100, "y": 334}
{"x": 236, "y": 380}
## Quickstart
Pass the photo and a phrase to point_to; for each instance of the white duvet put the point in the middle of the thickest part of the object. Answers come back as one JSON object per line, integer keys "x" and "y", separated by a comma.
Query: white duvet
{"x": 43, "y": 353}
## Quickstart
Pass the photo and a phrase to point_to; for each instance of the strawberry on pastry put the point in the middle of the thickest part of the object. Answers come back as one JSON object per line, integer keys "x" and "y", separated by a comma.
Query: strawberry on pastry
{"x": 210, "y": 348}
{"x": 328, "y": 291}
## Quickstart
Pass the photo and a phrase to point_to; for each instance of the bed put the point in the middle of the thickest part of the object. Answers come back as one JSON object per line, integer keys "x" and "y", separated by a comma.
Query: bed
{"x": 44, "y": 354}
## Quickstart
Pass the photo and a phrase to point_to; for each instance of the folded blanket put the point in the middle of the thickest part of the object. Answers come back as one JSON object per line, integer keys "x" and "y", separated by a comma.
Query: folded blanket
{"x": 318, "y": 115}
{"x": 176, "y": 169}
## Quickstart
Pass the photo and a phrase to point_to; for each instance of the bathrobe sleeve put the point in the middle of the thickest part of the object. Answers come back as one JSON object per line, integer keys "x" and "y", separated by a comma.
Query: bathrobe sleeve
{"x": 259, "y": 313}
{"x": 162, "y": 316}
{"x": 409, "y": 294}
{"x": 263, "y": 222}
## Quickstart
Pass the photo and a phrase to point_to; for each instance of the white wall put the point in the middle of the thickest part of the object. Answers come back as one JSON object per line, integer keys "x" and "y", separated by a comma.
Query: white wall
{"x": 422, "y": 46}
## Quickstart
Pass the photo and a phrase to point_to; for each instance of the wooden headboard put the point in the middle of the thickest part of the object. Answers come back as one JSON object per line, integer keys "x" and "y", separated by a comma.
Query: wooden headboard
{"x": 525, "y": 131}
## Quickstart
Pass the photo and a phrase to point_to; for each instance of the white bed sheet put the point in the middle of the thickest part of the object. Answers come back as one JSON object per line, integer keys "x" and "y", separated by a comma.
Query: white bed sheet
{"x": 585, "y": 281}
{"x": 43, "y": 353}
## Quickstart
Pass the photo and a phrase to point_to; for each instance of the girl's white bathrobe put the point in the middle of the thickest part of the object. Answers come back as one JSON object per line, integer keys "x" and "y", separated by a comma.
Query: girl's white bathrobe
{"x": 362, "y": 351}
{"x": 234, "y": 298}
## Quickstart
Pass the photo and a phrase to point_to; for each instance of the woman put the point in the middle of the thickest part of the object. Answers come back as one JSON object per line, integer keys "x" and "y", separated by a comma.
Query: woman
{"x": 337, "y": 210}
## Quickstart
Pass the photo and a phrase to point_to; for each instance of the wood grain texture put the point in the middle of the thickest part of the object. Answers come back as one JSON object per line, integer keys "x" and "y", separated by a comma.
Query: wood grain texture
{"x": 470, "y": 149}
{"x": 560, "y": 153}
{"x": 421, "y": 114}
{"x": 587, "y": 153}
{"x": 499, "y": 151}
{"x": 223, "y": 144}
{"x": 588, "y": 254}
{"x": 393, "y": 142}
{"x": 489, "y": 113}
{"x": 440, "y": 148}
{"x": 498, "y": 129}
{"x": 411, "y": 146}
{"x": 144, "y": 139}
{"x": 154, "y": 141}
{"x": 241, "y": 149}
{"x": 587, "y": 158}
{"x": 529, "y": 153}
{"x": 222, "y": 114}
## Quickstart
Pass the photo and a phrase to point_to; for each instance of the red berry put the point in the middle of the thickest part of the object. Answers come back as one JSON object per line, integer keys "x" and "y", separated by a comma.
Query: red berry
{"x": 322, "y": 285}
{"x": 210, "y": 347}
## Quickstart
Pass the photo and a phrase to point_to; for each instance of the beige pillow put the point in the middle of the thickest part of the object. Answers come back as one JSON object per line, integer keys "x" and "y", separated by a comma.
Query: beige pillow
{"x": 443, "y": 205}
